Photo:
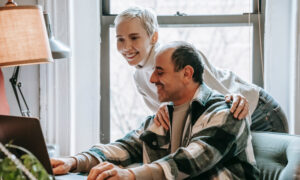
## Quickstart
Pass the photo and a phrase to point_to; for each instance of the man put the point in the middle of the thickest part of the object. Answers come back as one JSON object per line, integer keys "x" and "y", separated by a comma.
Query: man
{"x": 205, "y": 141}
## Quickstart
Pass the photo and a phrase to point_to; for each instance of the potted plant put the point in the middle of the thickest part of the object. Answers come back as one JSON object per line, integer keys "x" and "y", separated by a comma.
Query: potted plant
{"x": 21, "y": 164}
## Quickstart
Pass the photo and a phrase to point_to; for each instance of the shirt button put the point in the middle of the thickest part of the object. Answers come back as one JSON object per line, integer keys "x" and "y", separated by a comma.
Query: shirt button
{"x": 154, "y": 143}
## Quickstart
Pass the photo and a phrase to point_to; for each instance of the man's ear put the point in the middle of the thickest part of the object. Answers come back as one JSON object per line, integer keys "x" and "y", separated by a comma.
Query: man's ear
{"x": 188, "y": 72}
{"x": 154, "y": 38}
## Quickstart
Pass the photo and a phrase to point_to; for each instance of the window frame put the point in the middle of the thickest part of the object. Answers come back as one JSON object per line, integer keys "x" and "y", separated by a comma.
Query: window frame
{"x": 107, "y": 20}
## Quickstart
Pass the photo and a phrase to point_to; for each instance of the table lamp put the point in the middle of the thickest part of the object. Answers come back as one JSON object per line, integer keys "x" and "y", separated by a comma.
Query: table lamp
{"x": 23, "y": 40}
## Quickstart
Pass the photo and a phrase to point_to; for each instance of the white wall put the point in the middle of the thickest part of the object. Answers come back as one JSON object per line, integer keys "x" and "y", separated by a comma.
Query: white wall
{"x": 279, "y": 58}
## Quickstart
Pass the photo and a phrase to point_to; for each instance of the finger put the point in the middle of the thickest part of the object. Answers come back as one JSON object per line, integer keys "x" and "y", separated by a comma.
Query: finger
{"x": 59, "y": 170}
{"x": 244, "y": 113}
{"x": 156, "y": 121}
{"x": 54, "y": 162}
{"x": 102, "y": 163}
{"x": 239, "y": 108}
{"x": 165, "y": 120}
{"x": 235, "y": 103}
{"x": 228, "y": 98}
{"x": 107, "y": 174}
{"x": 162, "y": 122}
{"x": 97, "y": 170}
{"x": 166, "y": 115}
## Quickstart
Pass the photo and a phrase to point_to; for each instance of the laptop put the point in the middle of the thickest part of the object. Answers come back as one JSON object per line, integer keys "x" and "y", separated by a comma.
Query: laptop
{"x": 27, "y": 133}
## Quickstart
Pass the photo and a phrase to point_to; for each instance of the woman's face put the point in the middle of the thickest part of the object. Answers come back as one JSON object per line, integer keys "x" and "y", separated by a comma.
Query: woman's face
{"x": 133, "y": 42}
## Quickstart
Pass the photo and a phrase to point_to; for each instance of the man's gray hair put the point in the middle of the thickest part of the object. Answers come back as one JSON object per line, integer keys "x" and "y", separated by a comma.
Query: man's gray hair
{"x": 147, "y": 17}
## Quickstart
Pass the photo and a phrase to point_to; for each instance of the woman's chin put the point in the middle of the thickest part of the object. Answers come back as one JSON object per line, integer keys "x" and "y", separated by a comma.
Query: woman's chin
{"x": 133, "y": 62}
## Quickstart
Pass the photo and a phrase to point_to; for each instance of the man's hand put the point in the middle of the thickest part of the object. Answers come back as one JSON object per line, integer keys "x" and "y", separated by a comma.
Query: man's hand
{"x": 62, "y": 165}
{"x": 240, "y": 105}
{"x": 162, "y": 117}
{"x": 110, "y": 171}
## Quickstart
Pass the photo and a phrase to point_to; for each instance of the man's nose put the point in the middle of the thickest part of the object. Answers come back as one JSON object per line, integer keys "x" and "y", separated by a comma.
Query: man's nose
{"x": 153, "y": 78}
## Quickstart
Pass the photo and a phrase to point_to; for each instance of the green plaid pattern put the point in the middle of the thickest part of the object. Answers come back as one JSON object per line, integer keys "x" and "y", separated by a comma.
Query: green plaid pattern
{"x": 214, "y": 144}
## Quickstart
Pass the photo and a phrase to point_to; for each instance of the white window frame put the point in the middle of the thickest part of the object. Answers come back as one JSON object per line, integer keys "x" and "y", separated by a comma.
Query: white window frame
{"x": 297, "y": 66}
{"x": 207, "y": 20}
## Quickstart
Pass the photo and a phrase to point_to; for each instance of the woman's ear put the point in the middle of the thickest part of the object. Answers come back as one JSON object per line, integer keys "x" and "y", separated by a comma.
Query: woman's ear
{"x": 154, "y": 37}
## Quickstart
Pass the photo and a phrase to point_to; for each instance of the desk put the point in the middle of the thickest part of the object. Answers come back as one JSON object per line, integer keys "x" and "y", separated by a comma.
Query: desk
{"x": 71, "y": 176}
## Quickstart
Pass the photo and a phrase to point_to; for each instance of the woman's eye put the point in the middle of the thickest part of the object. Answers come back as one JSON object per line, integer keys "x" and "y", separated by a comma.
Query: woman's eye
{"x": 120, "y": 40}
{"x": 134, "y": 38}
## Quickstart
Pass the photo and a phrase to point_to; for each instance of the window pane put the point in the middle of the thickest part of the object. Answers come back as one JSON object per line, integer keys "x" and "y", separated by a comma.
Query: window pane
{"x": 192, "y": 7}
{"x": 225, "y": 47}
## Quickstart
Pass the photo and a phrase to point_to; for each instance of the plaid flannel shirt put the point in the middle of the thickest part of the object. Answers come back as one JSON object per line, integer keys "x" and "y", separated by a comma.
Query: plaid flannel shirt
{"x": 214, "y": 143}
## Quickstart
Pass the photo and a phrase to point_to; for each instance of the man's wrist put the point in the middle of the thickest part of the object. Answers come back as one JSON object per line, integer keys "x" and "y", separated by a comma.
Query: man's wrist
{"x": 132, "y": 175}
{"x": 73, "y": 163}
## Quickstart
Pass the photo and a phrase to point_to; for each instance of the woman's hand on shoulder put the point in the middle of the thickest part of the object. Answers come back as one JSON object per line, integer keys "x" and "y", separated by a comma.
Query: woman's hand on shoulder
{"x": 162, "y": 117}
{"x": 240, "y": 105}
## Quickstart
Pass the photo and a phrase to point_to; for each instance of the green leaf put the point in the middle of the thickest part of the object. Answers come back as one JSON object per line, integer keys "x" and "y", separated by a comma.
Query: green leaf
{"x": 9, "y": 171}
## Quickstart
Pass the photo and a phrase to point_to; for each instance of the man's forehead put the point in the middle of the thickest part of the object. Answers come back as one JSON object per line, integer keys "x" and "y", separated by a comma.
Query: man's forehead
{"x": 164, "y": 55}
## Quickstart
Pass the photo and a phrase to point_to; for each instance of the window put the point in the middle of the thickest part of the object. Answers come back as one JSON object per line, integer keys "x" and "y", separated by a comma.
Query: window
{"x": 204, "y": 7}
{"x": 224, "y": 31}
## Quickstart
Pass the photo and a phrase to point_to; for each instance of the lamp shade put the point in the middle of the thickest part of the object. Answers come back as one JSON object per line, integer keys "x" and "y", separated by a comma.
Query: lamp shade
{"x": 23, "y": 36}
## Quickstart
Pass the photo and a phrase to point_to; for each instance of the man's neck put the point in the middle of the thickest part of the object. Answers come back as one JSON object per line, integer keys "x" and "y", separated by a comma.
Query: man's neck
{"x": 188, "y": 95}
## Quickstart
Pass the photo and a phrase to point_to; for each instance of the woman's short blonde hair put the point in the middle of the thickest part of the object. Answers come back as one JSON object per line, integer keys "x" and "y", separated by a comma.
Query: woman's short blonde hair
{"x": 147, "y": 17}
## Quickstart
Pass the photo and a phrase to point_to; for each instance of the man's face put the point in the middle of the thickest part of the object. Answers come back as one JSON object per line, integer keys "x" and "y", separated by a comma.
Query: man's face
{"x": 133, "y": 42}
{"x": 169, "y": 83}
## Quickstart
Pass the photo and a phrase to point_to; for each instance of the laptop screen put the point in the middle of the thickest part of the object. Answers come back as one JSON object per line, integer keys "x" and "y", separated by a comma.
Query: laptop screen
{"x": 27, "y": 133}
